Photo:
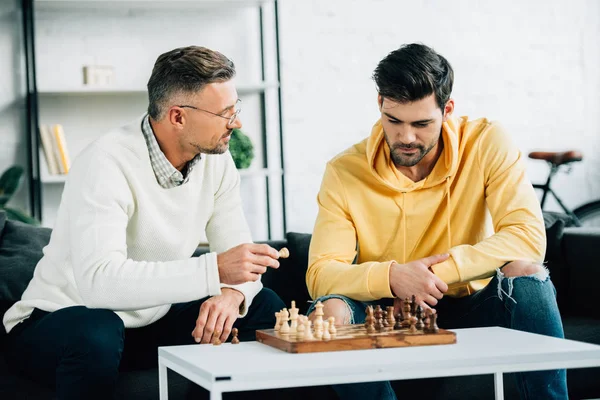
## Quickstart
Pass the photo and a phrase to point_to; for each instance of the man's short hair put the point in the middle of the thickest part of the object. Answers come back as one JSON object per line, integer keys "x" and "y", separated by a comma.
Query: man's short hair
{"x": 413, "y": 72}
{"x": 185, "y": 70}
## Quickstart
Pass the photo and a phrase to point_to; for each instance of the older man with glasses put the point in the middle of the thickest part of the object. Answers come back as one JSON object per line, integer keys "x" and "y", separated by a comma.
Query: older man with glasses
{"x": 118, "y": 278}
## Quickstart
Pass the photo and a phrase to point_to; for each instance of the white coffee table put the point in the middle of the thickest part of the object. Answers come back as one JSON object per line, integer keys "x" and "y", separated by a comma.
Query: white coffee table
{"x": 252, "y": 365}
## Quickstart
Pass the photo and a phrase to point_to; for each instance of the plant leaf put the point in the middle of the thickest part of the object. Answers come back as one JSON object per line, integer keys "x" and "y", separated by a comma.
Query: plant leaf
{"x": 10, "y": 181}
{"x": 18, "y": 215}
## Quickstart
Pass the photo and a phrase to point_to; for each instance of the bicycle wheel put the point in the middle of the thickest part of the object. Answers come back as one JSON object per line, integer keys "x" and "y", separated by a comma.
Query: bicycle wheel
{"x": 589, "y": 214}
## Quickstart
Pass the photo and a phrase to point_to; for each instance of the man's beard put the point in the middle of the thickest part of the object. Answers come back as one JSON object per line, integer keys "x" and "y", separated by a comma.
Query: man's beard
{"x": 408, "y": 160}
{"x": 220, "y": 148}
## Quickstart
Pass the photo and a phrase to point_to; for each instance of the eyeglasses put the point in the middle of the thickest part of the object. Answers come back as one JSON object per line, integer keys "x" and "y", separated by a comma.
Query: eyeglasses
{"x": 231, "y": 119}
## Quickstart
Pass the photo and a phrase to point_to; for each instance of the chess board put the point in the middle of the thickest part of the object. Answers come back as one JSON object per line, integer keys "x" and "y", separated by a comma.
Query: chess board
{"x": 354, "y": 337}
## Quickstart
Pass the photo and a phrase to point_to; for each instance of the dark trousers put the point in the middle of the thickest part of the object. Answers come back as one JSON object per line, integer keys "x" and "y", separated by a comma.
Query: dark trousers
{"x": 79, "y": 351}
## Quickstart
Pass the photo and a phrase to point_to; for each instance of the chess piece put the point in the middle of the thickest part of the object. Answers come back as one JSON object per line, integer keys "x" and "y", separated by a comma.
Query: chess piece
{"x": 277, "y": 321}
{"x": 301, "y": 327}
{"x": 284, "y": 253}
{"x": 384, "y": 321}
{"x": 378, "y": 318}
{"x": 308, "y": 335}
{"x": 370, "y": 320}
{"x": 419, "y": 325}
{"x": 293, "y": 317}
{"x": 413, "y": 304}
{"x": 235, "y": 339}
{"x": 326, "y": 334}
{"x": 216, "y": 338}
{"x": 433, "y": 328}
{"x": 407, "y": 314}
{"x": 391, "y": 321}
{"x": 318, "y": 322}
{"x": 332, "y": 328}
{"x": 413, "y": 323}
{"x": 285, "y": 327}
{"x": 426, "y": 319}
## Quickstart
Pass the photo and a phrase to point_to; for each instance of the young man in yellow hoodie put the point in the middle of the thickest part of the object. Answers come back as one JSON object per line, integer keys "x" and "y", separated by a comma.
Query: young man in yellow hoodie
{"x": 435, "y": 206}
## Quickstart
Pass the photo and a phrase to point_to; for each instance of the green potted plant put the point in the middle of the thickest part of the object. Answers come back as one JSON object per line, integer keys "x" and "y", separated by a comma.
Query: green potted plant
{"x": 10, "y": 182}
{"x": 241, "y": 149}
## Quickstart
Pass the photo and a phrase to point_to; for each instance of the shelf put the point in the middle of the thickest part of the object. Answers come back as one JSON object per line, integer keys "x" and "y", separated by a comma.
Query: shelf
{"x": 262, "y": 172}
{"x": 115, "y": 91}
{"x": 50, "y": 5}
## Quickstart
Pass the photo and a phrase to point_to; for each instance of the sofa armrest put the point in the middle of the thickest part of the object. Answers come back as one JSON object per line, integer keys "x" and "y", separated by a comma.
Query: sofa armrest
{"x": 580, "y": 247}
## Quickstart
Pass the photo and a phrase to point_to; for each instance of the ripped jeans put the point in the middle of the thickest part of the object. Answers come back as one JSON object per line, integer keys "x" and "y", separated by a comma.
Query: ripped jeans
{"x": 526, "y": 303}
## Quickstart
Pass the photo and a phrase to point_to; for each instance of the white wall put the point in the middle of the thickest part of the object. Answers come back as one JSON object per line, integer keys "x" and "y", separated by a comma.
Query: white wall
{"x": 13, "y": 149}
{"x": 533, "y": 65}
{"x": 129, "y": 38}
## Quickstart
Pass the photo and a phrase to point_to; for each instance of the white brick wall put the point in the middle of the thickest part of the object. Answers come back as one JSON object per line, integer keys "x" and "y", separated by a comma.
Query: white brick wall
{"x": 533, "y": 65}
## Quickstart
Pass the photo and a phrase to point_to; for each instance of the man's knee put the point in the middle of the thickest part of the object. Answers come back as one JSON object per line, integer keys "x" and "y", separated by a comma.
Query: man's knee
{"x": 98, "y": 337}
{"x": 524, "y": 268}
{"x": 336, "y": 308}
{"x": 268, "y": 301}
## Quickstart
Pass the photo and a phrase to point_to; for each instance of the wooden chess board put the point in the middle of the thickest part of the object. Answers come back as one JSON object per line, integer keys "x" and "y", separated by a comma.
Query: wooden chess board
{"x": 354, "y": 337}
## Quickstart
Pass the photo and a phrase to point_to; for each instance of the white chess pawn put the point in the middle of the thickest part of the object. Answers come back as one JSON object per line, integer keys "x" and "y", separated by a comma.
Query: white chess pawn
{"x": 277, "y": 321}
{"x": 332, "y": 329}
{"x": 285, "y": 327}
{"x": 308, "y": 335}
{"x": 300, "y": 329}
{"x": 326, "y": 335}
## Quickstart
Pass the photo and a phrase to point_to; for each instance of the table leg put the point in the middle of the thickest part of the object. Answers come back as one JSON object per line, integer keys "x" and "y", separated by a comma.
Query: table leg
{"x": 163, "y": 385}
{"x": 499, "y": 386}
{"x": 215, "y": 395}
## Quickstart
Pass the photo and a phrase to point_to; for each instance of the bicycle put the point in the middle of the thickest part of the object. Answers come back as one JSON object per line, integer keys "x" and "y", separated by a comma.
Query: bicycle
{"x": 587, "y": 215}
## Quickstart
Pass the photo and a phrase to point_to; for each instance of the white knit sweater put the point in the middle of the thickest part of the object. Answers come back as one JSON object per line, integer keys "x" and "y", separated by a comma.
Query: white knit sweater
{"x": 124, "y": 243}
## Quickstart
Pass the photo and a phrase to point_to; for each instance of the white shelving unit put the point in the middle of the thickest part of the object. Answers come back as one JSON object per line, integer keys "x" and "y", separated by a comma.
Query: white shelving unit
{"x": 129, "y": 36}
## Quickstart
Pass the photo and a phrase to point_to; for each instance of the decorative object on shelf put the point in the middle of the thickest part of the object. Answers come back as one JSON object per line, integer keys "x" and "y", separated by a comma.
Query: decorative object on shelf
{"x": 98, "y": 75}
{"x": 241, "y": 149}
{"x": 10, "y": 182}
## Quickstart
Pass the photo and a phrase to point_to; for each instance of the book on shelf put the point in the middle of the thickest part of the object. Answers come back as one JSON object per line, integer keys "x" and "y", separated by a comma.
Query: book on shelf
{"x": 55, "y": 149}
{"x": 47, "y": 139}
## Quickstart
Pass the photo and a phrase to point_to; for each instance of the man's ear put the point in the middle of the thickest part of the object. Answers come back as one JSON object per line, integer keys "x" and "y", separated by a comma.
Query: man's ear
{"x": 176, "y": 117}
{"x": 448, "y": 109}
{"x": 379, "y": 101}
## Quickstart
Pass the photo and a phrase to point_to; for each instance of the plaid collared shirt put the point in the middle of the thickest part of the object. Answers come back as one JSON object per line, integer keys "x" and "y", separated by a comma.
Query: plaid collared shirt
{"x": 166, "y": 174}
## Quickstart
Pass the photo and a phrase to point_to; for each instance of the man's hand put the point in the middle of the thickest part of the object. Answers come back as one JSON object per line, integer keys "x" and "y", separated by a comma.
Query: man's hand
{"x": 415, "y": 278}
{"x": 217, "y": 316}
{"x": 246, "y": 262}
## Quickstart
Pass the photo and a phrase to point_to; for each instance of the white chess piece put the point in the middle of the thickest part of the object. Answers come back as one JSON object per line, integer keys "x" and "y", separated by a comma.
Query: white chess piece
{"x": 332, "y": 329}
{"x": 326, "y": 335}
{"x": 293, "y": 317}
{"x": 318, "y": 319}
{"x": 308, "y": 335}
{"x": 301, "y": 328}
{"x": 285, "y": 327}
{"x": 277, "y": 321}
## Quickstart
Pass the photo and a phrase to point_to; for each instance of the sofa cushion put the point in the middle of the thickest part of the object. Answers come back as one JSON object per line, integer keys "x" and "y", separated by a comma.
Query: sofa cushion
{"x": 20, "y": 250}
{"x": 555, "y": 224}
{"x": 580, "y": 246}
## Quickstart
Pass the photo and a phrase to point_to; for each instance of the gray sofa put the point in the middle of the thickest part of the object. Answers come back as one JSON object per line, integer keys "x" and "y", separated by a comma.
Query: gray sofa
{"x": 571, "y": 259}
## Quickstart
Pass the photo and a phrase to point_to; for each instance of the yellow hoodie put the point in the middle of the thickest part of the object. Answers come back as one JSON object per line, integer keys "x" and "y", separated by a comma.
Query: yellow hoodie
{"x": 371, "y": 215}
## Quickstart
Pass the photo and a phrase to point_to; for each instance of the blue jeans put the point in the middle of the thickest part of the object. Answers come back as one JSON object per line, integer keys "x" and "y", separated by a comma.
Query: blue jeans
{"x": 79, "y": 351}
{"x": 526, "y": 303}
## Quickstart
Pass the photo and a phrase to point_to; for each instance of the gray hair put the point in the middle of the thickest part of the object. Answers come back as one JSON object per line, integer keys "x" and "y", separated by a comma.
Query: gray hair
{"x": 184, "y": 71}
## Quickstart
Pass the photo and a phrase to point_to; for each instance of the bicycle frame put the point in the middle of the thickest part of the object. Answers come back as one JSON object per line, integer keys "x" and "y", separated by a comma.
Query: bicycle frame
{"x": 548, "y": 190}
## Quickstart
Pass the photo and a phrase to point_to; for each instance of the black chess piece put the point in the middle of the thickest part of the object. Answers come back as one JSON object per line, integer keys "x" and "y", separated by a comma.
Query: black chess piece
{"x": 419, "y": 325}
